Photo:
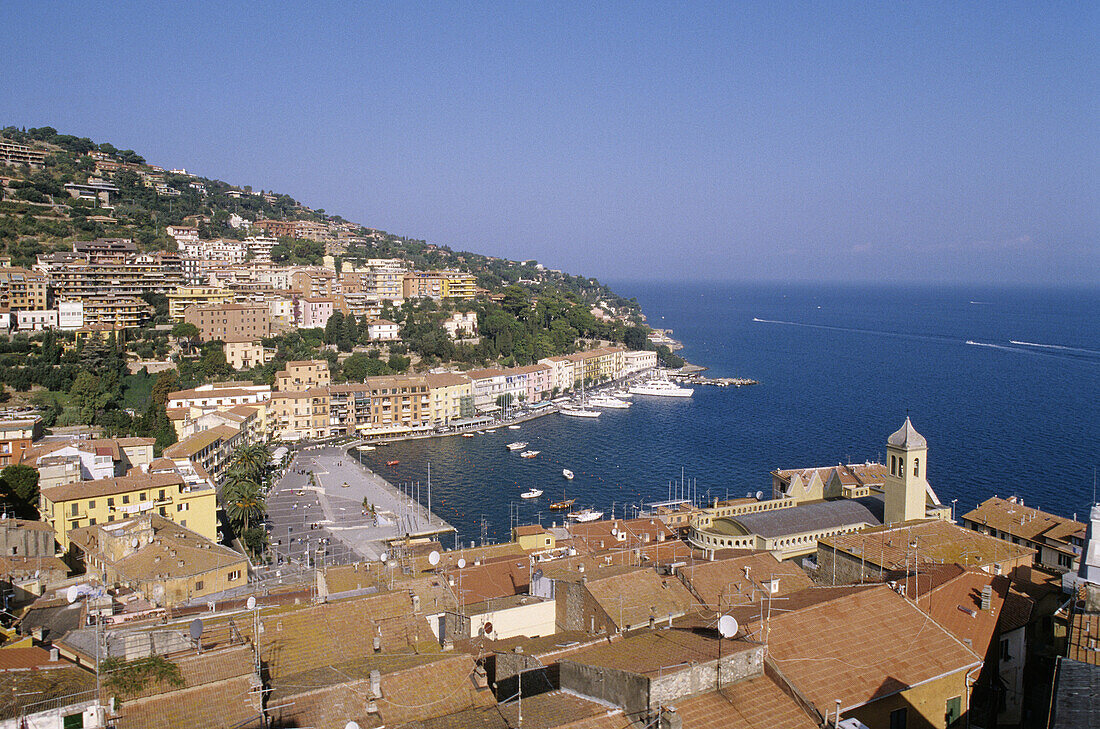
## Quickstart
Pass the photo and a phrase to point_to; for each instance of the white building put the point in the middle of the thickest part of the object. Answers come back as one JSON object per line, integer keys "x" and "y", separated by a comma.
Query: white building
{"x": 461, "y": 325}
{"x": 70, "y": 315}
{"x": 638, "y": 361}
{"x": 260, "y": 246}
{"x": 183, "y": 234}
{"x": 381, "y": 330}
{"x": 36, "y": 320}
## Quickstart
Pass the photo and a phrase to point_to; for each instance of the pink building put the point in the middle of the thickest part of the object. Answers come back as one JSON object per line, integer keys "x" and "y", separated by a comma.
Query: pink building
{"x": 538, "y": 378}
{"x": 314, "y": 312}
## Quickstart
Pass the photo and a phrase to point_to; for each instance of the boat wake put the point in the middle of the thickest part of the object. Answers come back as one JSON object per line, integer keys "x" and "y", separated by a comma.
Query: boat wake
{"x": 856, "y": 330}
{"x": 1038, "y": 350}
{"x": 1057, "y": 347}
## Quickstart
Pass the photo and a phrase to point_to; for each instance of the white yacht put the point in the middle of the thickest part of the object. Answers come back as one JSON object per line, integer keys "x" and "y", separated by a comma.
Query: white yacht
{"x": 531, "y": 494}
{"x": 529, "y": 454}
{"x": 607, "y": 401}
{"x": 567, "y": 473}
{"x": 585, "y": 515}
{"x": 519, "y": 445}
{"x": 661, "y": 388}
{"x": 575, "y": 412}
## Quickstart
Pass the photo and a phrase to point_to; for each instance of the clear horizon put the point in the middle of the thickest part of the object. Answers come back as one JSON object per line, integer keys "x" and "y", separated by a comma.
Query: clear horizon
{"x": 928, "y": 144}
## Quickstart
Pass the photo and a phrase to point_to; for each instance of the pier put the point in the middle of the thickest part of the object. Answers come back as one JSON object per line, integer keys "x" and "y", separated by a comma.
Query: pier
{"x": 694, "y": 377}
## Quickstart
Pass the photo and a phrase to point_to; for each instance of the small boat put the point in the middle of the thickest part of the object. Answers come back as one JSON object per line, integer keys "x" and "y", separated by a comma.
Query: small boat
{"x": 585, "y": 515}
{"x": 607, "y": 401}
{"x": 366, "y": 448}
{"x": 562, "y": 505}
{"x": 468, "y": 435}
{"x": 519, "y": 445}
{"x": 490, "y": 430}
{"x": 567, "y": 473}
{"x": 531, "y": 494}
{"x": 513, "y": 427}
{"x": 392, "y": 463}
{"x": 529, "y": 454}
{"x": 580, "y": 413}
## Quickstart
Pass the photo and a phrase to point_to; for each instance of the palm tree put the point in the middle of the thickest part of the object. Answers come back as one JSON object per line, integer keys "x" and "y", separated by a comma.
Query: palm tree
{"x": 243, "y": 499}
{"x": 253, "y": 460}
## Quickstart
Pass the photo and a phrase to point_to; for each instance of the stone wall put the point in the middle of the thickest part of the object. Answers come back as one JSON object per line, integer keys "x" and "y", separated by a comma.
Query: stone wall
{"x": 704, "y": 677}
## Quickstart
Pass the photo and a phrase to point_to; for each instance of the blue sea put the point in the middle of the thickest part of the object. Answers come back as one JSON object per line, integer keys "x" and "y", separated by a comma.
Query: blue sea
{"x": 1003, "y": 382}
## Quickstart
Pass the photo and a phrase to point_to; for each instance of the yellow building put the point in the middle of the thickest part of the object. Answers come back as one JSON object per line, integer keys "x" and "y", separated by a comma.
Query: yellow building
{"x": 439, "y": 285}
{"x": 300, "y": 415}
{"x": 186, "y": 296}
{"x": 244, "y": 353}
{"x": 22, "y": 290}
{"x": 208, "y": 450}
{"x": 452, "y": 397}
{"x": 190, "y": 502}
{"x": 162, "y": 561}
{"x": 303, "y": 375}
{"x": 533, "y": 538}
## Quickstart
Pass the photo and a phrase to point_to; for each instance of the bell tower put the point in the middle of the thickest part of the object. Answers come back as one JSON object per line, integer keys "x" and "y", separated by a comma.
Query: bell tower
{"x": 906, "y": 467}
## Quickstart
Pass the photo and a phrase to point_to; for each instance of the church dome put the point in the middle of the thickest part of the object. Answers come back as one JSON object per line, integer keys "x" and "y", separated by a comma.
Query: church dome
{"x": 907, "y": 437}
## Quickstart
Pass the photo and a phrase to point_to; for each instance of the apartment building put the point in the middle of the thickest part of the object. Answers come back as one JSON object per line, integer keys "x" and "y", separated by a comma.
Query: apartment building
{"x": 461, "y": 325}
{"x": 304, "y": 229}
{"x": 61, "y": 462}
{"x": 300, "y": 415}
{"x": 314, "y": 313}
{"x": 114, "y": 312}
{"x": 382, "y": 330}
{"x": 456, "y": 285}
{"x": 209, "y": 451}
{"x": 488, "y": 385}
{"x": 452, "y": 397}
{"x": 537, "y": 381}
{"x": 36, "y": 321}
{"x": 379, "y": 278}
{"x": 182, "y": 233}
{"x": 22, "y": 290}
{"x": 561, "y": 372}
{"x": 1057, "y": 541}
{"x": 165, "y": 492}
{"x": 314, "y": 282}
{"x": 187, "y": 296}
{"x": 70, "y": 315}
{"x": 13, "y": 154}
{"x": 219, "y": 250}
{"x": 109, "y": 268}
{"x": 400, "y": 403}
{"x": 230, "y": 321}
{"x": 638, "y": 361}
{"x": 16, "y": 437}
{"x": 260, "y": 247}
{"x": 244, "y": 353}
{"x": 303, "y": 375}
{"x": 349, "y": 409}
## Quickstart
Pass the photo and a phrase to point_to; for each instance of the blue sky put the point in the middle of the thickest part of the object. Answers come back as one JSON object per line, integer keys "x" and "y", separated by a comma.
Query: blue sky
{"x": 777, "y": 141}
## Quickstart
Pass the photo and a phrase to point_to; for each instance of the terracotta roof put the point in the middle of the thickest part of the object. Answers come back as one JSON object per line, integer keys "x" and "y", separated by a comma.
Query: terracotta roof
{"x": 229, "y": 704}
{"x": 652, "y": 652}
{"x": 446, "y": 379}
{"x": 956, "y": 605}
{"x": 738, "y": 580}
{"x": 1009, "y": 515}
{"x": 530, "y": 530}
{"x": 861, "y": 645}
{"x": 491, "y": 580}
{"x": 21, "y": 689}
{"x": 38, "y": 526}
{"x": 135, "y": 480}
{"x": 14, "y": 659}
{"x": 1083, "y": 642}
{"x": 752, "y": 703}
{"x": 631, "y": 599}
{"x": 597, "y": 535}
{"x": 936, "y": 540}
{"x": 195, "y": 443}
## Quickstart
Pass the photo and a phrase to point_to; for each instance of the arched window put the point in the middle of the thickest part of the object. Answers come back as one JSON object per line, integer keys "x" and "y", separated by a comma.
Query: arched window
{"x": 916, "y": 466}
{"x": 893, "y": 466}
{"x": 901, "y": 466}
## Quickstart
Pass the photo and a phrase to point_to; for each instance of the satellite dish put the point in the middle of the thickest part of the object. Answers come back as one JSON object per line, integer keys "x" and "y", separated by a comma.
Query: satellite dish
{"x": 759, "y": 495}
{"x": 351, "y": 725}
{"x": 134, "y": 542}
{"x": 433, "y": 558}
{"x": 251, "y": 602}
{"x": 382, "y": 557}
{"x": 614, "y": 532}
{"x": 461, "y": 562}
{"x": 727, "y": 626}
{"x": 72, "y": 594}
{"x": 488, "y": 628}
{"x": 196, "y": 629}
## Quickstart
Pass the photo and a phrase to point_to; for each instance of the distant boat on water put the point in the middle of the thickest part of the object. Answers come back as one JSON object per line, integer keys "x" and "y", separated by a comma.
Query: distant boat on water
{"x": 531, "y": 494}
{"x": 529, "y": 454}
{"x": 580, "y": 413}
{"x": 567, "y": 473}
{"x": 513, "y": 427}
{"x": 519, "y": 445}
{"x": 585, "y": 515}
{"x": 392, "y": 463}
{"x": 563, "y": 504}
{"x": 661, "y": 388}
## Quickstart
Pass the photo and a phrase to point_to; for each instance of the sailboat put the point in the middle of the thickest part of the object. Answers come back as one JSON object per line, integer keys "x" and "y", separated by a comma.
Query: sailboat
{"x": 580, "y": 411}
{"x": 563, "y": 504}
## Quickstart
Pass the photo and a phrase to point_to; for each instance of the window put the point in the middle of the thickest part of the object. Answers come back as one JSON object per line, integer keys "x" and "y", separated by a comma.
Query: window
{"x": 898, "y": 718}
{"x": 74, "y": 509}
{"x": 198, "y": 584}
{"x": 74, "y": 524}
{"x": 91, "y": 522}
{"x": 916, "y": 466}
{"x": 126, "y": 498}
{"x": 234, "y": 575}
{"x": 1064, "y": 560}
{"x": 953, "y": 710}
{"x": 91, "y": 504}
{"x": 1004, "y": 650}
{"x": 893, "y": 465}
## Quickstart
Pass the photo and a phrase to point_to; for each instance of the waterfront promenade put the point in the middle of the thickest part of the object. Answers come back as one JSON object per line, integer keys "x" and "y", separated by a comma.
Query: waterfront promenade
{"x": 317, "y": 512}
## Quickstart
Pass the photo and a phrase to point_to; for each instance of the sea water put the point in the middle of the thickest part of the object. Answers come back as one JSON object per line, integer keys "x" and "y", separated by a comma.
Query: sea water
{"x": 1003, "y": 382}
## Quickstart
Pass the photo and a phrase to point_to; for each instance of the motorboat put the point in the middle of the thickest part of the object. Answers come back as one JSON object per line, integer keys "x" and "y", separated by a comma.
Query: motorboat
{"x": 607, "y": 401}
{"x": 519, "y": 445}
{"x": 513, "y": 427}
{"x": 392, "y": 463}
{"x": 585, "y": 515}
{"x": 468, "y": 435}
{"x": 574, "y": 412}
{"x": 531, "y": 494}
{"x": 366, "y": 448}
{"x": 661, "y": 388}
{"x": 490, "y": 430}
{"x": 563, "y": 504}
{"x": 529, "y": 454}
{"x": 567, "y": 473}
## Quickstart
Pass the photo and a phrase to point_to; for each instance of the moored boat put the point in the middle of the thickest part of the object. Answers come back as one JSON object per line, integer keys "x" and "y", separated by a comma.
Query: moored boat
{"x": 580, "y": 412}
{"x": 519, "y": 445}
{"x": 607, "y": 401}
{"x": 563, "y": 504}
{"x": 513, "y": 427}
{"x": 531, "y": 494}
{"x": 567, "y": 473}
{"x": 661, "y": 388}
{"x": 529, "y": 454}
{"x": 585, "y": 515}
{"x": 392, "y": 463}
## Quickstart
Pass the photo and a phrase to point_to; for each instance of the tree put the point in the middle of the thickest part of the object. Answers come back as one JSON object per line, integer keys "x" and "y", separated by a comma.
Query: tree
{"x": 334, "y": 327}
{"x": 19, "y": 483}
{"x": 252, "y": 460}
{"x": 243, "y": 500}
{"x": 83, "y": 395}
{"x": 166, "y": 382}
{"x": 187, "y": 332}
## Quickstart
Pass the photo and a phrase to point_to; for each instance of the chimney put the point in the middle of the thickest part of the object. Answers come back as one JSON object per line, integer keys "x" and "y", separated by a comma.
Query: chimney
{"x": 987, "y": 596}
{"x": 54, "y": 655}
{"x": 375, "y": 684}
{"x": 377, "y": 643}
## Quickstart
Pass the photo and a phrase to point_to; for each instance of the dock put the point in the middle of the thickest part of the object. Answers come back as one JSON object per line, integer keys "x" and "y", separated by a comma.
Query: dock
{"x": 697, "y": 379}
